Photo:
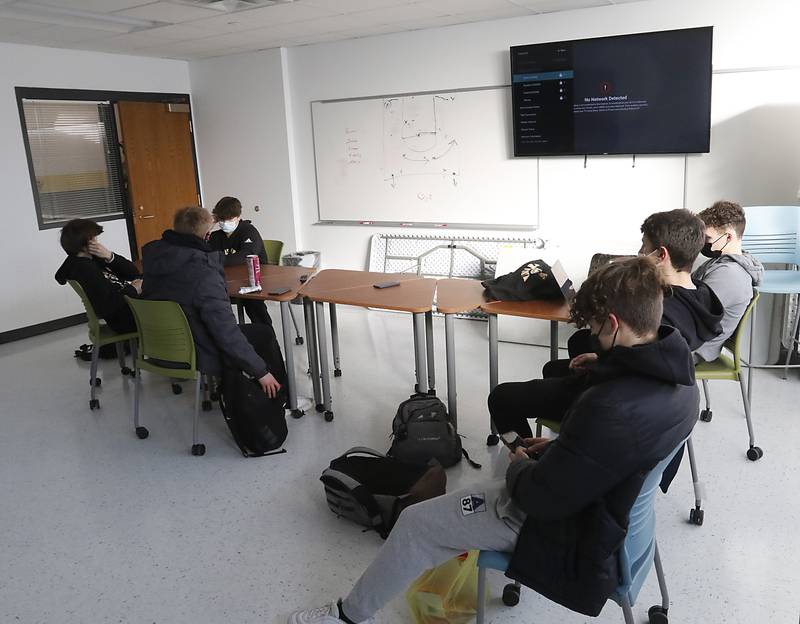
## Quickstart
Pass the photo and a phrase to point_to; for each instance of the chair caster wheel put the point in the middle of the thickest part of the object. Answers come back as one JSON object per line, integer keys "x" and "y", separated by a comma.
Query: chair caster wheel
{"x": 125, "y": 370}
{"x": 297, "y": 413}
{"x": 299, "y": 340}
{"x": 176, "y": 388}
{"x": 328, "y": 416}
{"x": 97, "y": 382}
{"x": 132, "y": 372}
{"x": 492, "y": 440}
{"x": 94, "y": 404}
{"x": 696, "y": 516}
{"x": 337, "y": 372}
{"x": 657, "y": 615}
{"x": 511, "y": 595}
{"x": 214, "y": 396}
{"x": 142, "y": 433}
{"x": 706, "y": 415}
{"x": 754, "y": 453}
{"x": 198, "y": 449}
{"x": 206, "y": 406}
{"x": 319, "y": 407}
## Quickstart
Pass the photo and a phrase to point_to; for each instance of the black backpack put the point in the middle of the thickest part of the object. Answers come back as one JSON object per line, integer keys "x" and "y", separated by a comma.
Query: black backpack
{"x": 257, "y": 423}
{"x": 422, "y": 430}
{"x": 371, "y": 489}
{"x": 107, "y": 351}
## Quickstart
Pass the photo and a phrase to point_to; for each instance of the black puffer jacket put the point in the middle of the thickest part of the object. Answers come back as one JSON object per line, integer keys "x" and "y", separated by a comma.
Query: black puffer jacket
{"x": 639, "y": 404}
{"x": 182, "y": 268}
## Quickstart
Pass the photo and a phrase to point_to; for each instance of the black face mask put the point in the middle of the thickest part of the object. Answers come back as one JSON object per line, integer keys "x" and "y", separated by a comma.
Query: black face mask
{"x": 712, "y": 253}
{"x": 596, "y": 346}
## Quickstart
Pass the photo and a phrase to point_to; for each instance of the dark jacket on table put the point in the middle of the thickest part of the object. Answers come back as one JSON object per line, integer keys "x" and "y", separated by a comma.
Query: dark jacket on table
{"x": 105, "y": 285}
{"x": 244, "y": 241}
{"x": 183, "y": 268}
{"x": 639, "y": 404}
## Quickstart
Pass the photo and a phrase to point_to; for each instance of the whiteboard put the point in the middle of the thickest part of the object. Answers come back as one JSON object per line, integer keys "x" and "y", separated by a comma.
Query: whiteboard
{"x": 442, "y": 158}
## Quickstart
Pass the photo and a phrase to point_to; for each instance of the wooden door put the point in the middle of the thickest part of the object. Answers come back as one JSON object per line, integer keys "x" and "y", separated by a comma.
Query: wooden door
{"x": 157, "y": 147}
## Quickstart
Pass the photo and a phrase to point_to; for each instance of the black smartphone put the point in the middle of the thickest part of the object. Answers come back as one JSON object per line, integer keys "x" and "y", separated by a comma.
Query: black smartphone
{"x": 512, "y": 440}
{"x": 279, "y": 291}
{"x": 303, "y": 279}
{"x": 386, "y": 285}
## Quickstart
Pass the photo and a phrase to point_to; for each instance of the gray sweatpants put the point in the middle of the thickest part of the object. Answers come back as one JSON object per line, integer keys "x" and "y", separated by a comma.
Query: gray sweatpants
{"x": 427, "y": 534}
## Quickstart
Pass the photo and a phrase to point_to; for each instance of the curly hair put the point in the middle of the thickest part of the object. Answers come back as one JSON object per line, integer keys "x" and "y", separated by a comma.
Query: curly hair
{"x": 631, "y": 289}
{"x": 724, "y": 214}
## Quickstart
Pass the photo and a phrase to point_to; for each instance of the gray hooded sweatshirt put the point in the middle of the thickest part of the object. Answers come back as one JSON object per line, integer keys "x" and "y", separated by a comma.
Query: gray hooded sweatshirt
{"x": 732, "y": 278}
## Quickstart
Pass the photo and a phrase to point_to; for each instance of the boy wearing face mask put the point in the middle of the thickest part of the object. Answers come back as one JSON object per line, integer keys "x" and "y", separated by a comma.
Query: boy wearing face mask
{"x": 105, "y": 277}
{"x": 731, "y": 273}
{"x": 237, "y": 238}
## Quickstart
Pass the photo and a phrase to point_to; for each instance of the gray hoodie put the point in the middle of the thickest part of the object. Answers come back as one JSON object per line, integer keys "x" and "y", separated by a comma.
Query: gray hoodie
{"x": 732, "y": 278}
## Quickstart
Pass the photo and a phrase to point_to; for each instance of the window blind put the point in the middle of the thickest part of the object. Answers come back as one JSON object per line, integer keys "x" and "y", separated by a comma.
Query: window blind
{"x": 75, "y": 170}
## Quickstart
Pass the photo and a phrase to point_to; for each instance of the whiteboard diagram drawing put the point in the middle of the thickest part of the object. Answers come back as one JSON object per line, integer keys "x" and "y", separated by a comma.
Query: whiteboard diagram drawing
{"x": 417, "y": 140}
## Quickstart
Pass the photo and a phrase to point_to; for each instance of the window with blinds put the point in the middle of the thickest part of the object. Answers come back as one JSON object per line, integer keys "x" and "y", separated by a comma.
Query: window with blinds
{"x": 75, "y": 171}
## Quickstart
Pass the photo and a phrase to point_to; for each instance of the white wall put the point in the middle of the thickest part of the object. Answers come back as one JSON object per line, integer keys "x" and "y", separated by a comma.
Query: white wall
{"x": 238, "y": 107}
{"x": 29, "y": 257}
{"x": 746, "y": 34}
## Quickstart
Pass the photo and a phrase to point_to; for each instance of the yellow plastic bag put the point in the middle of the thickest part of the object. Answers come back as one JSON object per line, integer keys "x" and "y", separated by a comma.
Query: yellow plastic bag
{"x": 447, "y": 594}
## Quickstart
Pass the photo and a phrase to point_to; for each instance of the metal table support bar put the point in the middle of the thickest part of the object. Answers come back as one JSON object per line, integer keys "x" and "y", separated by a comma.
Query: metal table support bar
{"x": 430, "y": 352}
{"x": 323, "y": 359}
{"x": 450, "y": 350}
{"x": 337, "y": 369}
{"x": 493, "y": 374}
{"x": 420, "y": 351}
{"x": 311, "y": 344}
{"x": 286, "y": 321}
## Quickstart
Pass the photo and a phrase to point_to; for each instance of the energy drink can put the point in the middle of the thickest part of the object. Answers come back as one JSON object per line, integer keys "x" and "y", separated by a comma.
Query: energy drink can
{"x": 254, "y": 270}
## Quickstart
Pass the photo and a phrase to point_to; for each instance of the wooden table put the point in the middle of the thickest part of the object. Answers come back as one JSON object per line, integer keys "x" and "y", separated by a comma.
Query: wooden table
{"x": 334, "y": 286}
{"x": 274, "y": 278}
{"x": 455, "y": 296}
{"x": 553, "y": 311}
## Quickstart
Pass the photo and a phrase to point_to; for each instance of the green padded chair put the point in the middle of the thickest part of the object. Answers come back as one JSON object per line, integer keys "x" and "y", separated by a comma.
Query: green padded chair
{"x": 166, "y": 347}
{"x": 101, "y": 334}
{"x": 274, "y": 248}
{"x": 726, "y": 369}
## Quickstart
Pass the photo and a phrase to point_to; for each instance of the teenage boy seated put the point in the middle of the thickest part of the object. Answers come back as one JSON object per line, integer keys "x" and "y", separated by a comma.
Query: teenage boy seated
{"x": 106, "y": 277}
{"x": 674, "y": 239}
{"x": 182, "y": 267}
{"x": 565, "y": 513}
{"x": 237, "y": 239}
{"x": 731, "y": 273}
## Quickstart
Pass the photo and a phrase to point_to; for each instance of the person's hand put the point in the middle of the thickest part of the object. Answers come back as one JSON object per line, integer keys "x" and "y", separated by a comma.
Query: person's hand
{"x": 137, "y": 284}
{"x": 97, "y": 249}
{"x": 535, "y": 446}
{"x": 269, "y": 385}
{"x": 582, "y": 361}
{"x": 518, "y": 454}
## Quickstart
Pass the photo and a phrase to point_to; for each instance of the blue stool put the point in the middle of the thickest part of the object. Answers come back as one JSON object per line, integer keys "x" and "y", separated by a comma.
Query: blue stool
{"x": 638, "y": 552}
{"x": 773, "y": 236}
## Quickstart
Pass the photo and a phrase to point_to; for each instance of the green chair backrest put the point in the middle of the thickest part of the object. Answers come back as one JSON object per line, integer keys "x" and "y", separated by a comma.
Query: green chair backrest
{"x": 734, "y": 343}
{"x": 91, "y": 316}
{"x": 164, "y": 332}
{"x": 273, "y": 249}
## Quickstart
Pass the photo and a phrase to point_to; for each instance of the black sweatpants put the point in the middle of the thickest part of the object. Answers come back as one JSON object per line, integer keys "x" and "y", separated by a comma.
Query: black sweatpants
{"x": 257, "y": 311}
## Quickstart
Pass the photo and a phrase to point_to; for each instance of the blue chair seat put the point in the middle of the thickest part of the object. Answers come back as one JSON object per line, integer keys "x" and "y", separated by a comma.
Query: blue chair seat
{"x": 780, "y": 282}
{"x": 492, "y": 560}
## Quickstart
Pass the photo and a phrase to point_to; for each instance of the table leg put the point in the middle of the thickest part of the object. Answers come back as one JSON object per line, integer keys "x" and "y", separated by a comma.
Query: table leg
{"x": 450, "y": 350}
{"x": 291, "y": 382}
{"x": 492, "y": 439}
{"x": 240, "y": 311}
{"x": 323, "y": 360}
{"x": 420, "y": 350}
{"x": 311, "y": 345}
{"x": 553, "y": 340}
{"x": 430, "y": 354}
{"x": 337, "y": 369}
{"x": 417, "y": 383}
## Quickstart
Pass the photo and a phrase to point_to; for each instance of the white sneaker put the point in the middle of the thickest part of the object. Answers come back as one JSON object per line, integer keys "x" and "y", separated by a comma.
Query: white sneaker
{"x": 329, "y": 614}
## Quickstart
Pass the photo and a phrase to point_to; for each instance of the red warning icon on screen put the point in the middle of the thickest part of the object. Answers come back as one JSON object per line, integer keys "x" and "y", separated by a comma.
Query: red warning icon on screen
{"x": 606, "y": 88}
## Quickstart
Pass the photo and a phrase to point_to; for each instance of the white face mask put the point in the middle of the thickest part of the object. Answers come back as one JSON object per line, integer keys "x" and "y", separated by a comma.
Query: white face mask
{"x": 228, "y": 226}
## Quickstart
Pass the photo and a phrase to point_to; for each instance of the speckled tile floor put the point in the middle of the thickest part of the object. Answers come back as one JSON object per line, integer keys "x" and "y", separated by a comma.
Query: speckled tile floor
{"x": 98, "y": 526}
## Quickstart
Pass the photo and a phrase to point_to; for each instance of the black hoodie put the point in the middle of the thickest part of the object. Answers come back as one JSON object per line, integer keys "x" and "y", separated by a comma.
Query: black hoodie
{"x": 183, "y": 268}
{"x": 639, "y": 404}
{"x": 697, "y": 313}
{"x": 244, "y": 241}
{"x": 105, "y": 285}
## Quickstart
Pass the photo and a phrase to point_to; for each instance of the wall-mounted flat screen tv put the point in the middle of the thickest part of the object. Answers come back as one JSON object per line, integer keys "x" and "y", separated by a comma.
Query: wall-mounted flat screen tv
{"x": 647, "y": 93}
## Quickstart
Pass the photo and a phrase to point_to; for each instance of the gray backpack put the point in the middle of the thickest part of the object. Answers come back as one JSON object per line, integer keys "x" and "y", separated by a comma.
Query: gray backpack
{"x": 422, "y": 430}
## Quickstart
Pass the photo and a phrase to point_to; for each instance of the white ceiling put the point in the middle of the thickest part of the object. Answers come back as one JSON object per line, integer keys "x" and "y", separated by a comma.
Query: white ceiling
{"x": 188, "y": 30}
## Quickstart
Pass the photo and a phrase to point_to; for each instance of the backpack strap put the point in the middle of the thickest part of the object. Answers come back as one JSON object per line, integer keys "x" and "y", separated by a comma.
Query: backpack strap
{"x": 363, "y": 450}
{"x": 331, "y": 477}
{"x": 471, "y": 462}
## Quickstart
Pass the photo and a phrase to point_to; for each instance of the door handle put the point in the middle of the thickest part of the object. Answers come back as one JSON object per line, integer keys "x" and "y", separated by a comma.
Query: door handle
{"x": 147, "y": 216}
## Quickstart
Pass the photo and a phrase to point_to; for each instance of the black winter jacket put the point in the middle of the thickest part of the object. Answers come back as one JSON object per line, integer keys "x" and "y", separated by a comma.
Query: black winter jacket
{"x": 639, "y": 404}
{"x": 244, "y": 241}
{"x": 183, "y": 268}
{"x": 105, "y": 285}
